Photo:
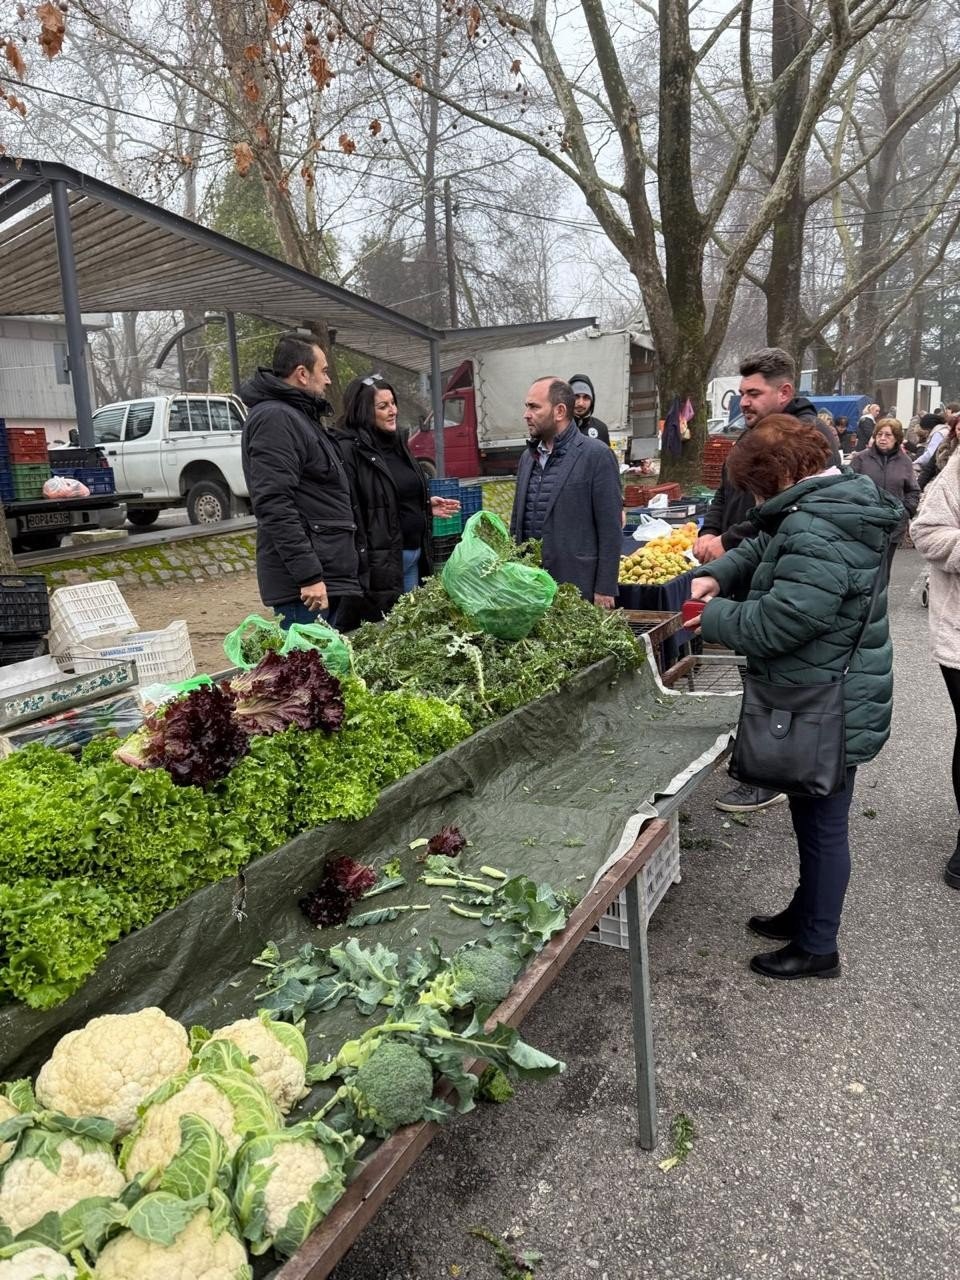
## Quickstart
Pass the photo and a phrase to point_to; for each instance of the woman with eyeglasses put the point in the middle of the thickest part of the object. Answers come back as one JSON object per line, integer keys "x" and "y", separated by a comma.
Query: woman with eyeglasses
{"x": 394, "y": 504}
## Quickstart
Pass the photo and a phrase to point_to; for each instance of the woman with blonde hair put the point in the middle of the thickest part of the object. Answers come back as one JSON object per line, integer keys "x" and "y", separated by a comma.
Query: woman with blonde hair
{"x": 890, "y": 469}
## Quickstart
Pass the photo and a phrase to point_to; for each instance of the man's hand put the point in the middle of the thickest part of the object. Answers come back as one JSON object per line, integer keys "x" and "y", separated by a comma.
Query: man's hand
{"x": 603, "y": 602}
{"x": 704, "y": 588}
{"x": 444, "y": 507}
{"x": 709, "y": 546}
{"x": 315, "y": 596}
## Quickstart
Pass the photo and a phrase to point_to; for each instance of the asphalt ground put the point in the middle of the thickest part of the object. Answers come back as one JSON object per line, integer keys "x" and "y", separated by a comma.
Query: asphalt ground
{"x": 826, "y": 1113}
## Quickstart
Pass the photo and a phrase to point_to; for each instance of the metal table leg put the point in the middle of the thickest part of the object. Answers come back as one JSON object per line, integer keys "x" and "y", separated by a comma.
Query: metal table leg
{"x": 642, "y": 1016}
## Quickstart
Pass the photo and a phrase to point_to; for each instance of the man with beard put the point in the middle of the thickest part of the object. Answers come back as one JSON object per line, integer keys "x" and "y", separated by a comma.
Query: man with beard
{"x": 584, "y": 403}
{"x": 568, "y": 495}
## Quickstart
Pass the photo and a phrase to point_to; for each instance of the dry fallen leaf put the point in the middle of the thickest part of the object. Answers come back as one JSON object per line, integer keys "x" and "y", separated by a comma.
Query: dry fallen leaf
{"x": 252, "y": 53}
{"x": 375, "y": 127}
{"x": 53, "y": 26}
{"x": 251, "y": 91}
{"x": 243, "y": 158}
{"x": 347, "y": 144}
{"x": 15, "y": 58}
{"x": 473, "y": 21}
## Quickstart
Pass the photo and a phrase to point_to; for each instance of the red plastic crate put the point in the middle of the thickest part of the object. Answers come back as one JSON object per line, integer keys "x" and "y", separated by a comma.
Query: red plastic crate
{"x": 27, "y": 444}
{"x": 639, "y": 495}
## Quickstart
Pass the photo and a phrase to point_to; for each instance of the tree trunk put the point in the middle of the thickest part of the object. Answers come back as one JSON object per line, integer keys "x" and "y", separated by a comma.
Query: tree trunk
{"x": 782, "y": 284}
{"x": 826, "y": 358}
{"x": 685, "y": 377}
{"x": 6, "y": 551}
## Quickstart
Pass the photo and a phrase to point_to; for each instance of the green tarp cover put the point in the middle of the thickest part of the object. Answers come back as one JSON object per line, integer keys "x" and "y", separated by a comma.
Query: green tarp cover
{"x": 551, "y": 790}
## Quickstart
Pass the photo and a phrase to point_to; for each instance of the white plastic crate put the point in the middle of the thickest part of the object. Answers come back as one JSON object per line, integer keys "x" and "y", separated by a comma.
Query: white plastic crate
{"x": 91, "y": 613}
{"x": 657, "y": 876}
{"x": 160, "y": 655}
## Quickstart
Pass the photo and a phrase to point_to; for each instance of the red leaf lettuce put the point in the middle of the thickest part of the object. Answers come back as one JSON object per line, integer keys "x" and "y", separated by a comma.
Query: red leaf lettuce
{"x": 293, "y": 689}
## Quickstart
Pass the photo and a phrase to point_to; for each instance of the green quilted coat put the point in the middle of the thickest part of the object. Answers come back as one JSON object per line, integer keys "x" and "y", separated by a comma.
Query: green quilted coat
{"x": 802, "y": 589}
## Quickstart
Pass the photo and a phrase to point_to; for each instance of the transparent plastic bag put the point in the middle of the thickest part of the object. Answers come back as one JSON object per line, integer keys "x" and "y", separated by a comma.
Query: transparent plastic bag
{"x": 254, "y": 637}
{"x": 650, "y": 528}
{"x": 504, "y": 598}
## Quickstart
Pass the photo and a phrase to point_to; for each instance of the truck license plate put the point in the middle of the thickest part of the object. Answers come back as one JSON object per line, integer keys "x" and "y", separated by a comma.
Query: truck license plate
{"x": 47, "y": 520}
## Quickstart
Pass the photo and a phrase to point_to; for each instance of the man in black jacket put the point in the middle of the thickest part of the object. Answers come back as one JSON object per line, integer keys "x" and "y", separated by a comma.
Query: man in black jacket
{"x": 307, "y": 544}
{"x": 766, "y": 386}
{"x": 584, "y": 402}
{"x": 767, "y": 381}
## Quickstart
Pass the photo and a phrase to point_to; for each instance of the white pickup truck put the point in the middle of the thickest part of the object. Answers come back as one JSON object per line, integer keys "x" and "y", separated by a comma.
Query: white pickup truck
{"x": 181, "y": 450}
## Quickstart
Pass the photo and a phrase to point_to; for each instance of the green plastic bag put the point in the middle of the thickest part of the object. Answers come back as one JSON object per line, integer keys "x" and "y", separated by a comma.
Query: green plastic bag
{"x": 334, "y": 648}
{"x": 502, "y": 597}
{"x": 254, "y": 637}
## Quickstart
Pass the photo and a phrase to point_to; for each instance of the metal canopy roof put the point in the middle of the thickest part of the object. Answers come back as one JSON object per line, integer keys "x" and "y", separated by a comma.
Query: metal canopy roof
{"x": 134, "y": 256}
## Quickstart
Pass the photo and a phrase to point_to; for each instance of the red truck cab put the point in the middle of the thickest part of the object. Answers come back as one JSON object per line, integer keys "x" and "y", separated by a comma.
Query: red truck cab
{"x": 464, "y": 459}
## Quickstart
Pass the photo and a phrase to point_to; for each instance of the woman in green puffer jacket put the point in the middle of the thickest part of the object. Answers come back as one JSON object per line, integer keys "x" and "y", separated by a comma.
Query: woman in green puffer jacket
{"x": 792, "y": 600}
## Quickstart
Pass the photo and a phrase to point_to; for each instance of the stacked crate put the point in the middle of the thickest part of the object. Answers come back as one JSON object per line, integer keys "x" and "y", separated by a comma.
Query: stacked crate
{"x": 29, "y": 457}
{"x": 24, "y": 617}
{"x": 97, "y": 479}
{"x": 639, "y": 495}
{"x": 6, "y": 480}
{"x": 714, "y": 455}
{"x": 446, "y": 530}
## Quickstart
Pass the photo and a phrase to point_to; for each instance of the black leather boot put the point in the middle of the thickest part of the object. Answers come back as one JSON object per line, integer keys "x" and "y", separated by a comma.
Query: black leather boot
{"x": 792, "y": 961}
{"x": 782, "y": 927}
{"x": 952, "y": 872}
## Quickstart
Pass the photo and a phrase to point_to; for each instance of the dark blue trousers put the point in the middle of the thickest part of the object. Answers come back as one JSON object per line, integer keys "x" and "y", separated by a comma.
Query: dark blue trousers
{"x": 296, "y": 611}
{"x": 821, "y": 824}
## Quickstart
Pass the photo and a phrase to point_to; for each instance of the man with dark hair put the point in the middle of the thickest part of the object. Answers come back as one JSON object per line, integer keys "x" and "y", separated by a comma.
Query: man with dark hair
{"x": 767, "y": 379}
{"x": 568, "y": 495}
{"x": 308, "y": 554}
{"x": 584, "y": 403}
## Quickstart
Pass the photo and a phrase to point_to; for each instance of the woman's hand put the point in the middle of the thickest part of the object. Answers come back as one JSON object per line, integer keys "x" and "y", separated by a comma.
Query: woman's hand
{"x": 444, "y": 507}
{"x": 704, "y": 588}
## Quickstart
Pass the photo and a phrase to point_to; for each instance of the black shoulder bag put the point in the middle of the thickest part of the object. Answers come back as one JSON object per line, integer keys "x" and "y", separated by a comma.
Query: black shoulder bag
{"x": 792, "y": 738}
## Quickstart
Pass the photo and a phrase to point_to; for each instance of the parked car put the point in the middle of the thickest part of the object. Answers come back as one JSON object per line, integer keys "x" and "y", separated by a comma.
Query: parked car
{"x": 177, "y": 451}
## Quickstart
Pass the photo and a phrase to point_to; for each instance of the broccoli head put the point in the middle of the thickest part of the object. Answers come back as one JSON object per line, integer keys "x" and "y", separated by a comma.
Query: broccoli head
{"x": 393, "y": 1087}
{"x": 479, "y": 976}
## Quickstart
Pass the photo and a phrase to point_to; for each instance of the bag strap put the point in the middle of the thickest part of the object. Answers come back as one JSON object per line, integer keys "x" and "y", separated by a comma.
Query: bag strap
{"x": 868, "y": 616}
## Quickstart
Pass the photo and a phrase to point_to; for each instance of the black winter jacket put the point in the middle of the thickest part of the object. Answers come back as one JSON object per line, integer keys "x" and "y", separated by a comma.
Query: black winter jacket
{"x": 894, "y": 473}
{"x": 300, "y": 494}
{"x": 590, "y": 425}
{"x": 728, "y": 513}
{"x": 378, "y": 511}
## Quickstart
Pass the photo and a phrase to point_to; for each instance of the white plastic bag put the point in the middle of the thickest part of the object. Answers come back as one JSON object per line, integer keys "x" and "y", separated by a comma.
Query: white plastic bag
{"x": 65, "y": 487}
{"x": 650, "y": 528}
{"x": 659, "y": 500}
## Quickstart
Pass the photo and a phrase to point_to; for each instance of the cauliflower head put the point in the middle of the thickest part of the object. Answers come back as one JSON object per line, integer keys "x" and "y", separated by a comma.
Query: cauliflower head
{"x": 198, "y": 1253}
{"x": 288, "y": 1182}
{"x": 51, "y": 1172}
{"x": 37, "y": 1262}
{"x": 232, "y": 1101}
{"x": 111, "y": 1065}
{"x": 277, "y": 1053}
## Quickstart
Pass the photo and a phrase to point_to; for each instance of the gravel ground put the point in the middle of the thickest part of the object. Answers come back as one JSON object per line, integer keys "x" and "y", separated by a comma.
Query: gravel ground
{"x": 826, "y": 1113}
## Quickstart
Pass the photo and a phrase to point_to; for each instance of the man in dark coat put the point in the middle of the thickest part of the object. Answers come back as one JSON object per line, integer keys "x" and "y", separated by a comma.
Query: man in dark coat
{"x": 307, "y": 544}
{"x": 568, "y": 494}
{"x": 584, "y": 402}
{"x": 767, "y": 380}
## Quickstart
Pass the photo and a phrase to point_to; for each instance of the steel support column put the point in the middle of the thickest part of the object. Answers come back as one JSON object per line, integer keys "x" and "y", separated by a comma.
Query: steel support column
{"x": 436, "y": 400}
{"x": 233, "y": 352}
{"x": 76, "y": 339}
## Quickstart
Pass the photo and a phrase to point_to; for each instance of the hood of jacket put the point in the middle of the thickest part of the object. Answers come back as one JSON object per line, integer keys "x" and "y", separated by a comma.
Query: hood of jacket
{"x": 851, "y": 503}
{"x": 265, "y": 385}
{"x": 802, "y": 408}
{"x": 582, "y": 377}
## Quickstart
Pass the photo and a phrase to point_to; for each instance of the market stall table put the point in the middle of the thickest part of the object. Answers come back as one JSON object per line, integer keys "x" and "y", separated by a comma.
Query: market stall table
{"x": 383, "y": 1171}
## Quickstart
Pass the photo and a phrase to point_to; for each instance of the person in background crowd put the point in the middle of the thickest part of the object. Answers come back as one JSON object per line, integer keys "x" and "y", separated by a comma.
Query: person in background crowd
{"x": 826, "y": 417}
{"x": 846, "y": 434}
{"x": 936, "y": 535}
{"x": 932, "y": 468}
{"x": 392, "y": 499}
{"x": 892, "y": 470}
{"x": 568, "y": 494}
{"x": 868, "y": 420}
{"x": 308, "y": 550}
{"x": 583, "y": 405}
{"x": 766, "y": 387}
{"x": 793, "y": 601}
{"x": 936, "y": 428}
{"x": 911, "y": 437}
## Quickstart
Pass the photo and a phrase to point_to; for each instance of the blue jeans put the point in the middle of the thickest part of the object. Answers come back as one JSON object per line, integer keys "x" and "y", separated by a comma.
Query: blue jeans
{"x": 411, "y": 568}
{"x": 296, "y": 611}
{"x": 821, "y": 824}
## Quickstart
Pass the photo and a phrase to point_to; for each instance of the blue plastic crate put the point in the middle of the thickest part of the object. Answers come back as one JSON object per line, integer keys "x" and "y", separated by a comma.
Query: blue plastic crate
{"x": 97, "y": 479}
{"x": 6, "y": 487}
{"x": 444, "y": 488}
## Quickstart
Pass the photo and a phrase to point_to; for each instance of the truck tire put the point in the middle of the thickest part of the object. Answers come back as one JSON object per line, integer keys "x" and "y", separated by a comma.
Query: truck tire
{"x": 428, "y": 469}
{"x": 208, "y": 503}
{"x": 142, "y": 518}
{"x": 47, "y": 541}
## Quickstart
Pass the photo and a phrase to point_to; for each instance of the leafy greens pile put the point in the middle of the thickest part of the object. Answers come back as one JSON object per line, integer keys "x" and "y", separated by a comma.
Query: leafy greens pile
{"x": 428, "y": 646}
{"x": 91, "y": 848}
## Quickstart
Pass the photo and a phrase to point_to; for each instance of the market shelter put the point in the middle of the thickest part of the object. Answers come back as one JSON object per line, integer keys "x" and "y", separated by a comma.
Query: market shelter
{"x": 70, "y": 243}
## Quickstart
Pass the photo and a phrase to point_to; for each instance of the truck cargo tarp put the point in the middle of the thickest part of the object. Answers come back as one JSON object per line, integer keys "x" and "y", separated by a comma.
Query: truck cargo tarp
{"x": 553, "y": 790}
